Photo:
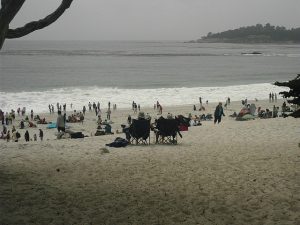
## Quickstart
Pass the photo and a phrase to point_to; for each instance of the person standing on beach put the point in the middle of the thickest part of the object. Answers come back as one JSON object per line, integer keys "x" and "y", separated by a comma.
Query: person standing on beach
{"x": 108, "y": 113}
{"x": 26, "y": 136}
{"x": 8, "y": 136}
{"x": 15, "y": 136}
{"x": 41, "y": 134}
{"x": 60, "y": 122}
{"x": 31, "y": 114}
{"x": 160, "y": 110}
{"x": 219, "y": 113}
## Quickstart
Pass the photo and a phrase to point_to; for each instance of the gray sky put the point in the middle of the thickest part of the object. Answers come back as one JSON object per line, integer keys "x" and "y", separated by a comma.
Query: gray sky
{"x": 155, "y": 19}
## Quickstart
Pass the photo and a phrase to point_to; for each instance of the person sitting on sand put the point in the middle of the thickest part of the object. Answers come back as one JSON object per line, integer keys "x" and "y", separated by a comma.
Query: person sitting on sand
{"x": 13, "y": 129}
{"x": 148, "y": 117}
{"x": 141, "y": 116}
{"x": 108, "y": 129}
{"x": 202, "y": 108}
{"x": 100, "y": 131}
{"x": 99, "y": 121}
{"x": 195, "y": 122}
{"x": 31, "y": 124}
{"x": 234, "y": 115}
{"x": 42, "y": 121}
{"x": 170, "y": 116}
{"x": 14, "y": 136}
{"x": 37, "y": 118}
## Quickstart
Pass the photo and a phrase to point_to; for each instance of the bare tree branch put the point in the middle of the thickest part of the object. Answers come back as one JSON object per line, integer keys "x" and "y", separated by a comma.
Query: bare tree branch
{"x": 9, "y": 9}
{"x": 40, "y": 24}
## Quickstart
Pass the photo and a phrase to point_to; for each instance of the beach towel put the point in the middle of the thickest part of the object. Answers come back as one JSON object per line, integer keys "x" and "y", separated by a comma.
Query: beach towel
{"x": 246, "y": 117}
{"x": 118, "y": 142}
{"x": 76, "y": 135}
{"x": 51, "y": 125}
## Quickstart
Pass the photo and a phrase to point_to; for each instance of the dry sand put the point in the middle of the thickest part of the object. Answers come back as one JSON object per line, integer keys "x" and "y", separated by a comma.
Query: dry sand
{"x": 231, "y": 173}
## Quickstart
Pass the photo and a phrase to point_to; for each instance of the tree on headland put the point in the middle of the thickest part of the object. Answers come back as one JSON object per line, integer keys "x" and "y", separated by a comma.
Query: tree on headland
{"x": 293, "y": 94}
{"x": 10, "y": 8}
{"x": 255, "y": 34}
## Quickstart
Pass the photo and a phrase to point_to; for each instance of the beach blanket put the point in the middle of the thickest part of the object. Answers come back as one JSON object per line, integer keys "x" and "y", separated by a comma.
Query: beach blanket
{"x": 246, "y": 117}
{"x": 51, "y": 125}
{"x": 118, "y": 142}
{"x": 76, "y": 135}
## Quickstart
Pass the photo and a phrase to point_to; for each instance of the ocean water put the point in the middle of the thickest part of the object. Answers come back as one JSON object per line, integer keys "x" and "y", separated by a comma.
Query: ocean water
{"x": 37, "y": 73}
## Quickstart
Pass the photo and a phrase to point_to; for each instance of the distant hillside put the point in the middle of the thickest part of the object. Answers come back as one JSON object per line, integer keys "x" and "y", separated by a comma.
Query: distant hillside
{"x": 255, "y": 34}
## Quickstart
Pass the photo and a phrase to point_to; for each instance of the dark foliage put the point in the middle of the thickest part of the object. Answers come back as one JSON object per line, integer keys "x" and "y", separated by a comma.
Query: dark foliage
{"x": 294, "y": 92}
{"x": 256, "y": 34}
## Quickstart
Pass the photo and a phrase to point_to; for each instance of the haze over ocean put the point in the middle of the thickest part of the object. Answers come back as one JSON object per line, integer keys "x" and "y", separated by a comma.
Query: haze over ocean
{"x": 38, "y": 73}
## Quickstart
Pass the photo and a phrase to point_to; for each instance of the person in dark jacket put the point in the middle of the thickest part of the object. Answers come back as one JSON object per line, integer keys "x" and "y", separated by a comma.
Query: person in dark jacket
{"x": 26, "y": 136}
{"x": 41, "y": 134}
{"x": 219, "y": 113}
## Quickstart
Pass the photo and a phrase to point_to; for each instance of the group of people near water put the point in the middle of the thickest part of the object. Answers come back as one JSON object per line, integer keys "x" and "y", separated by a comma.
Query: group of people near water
{"x": 272, "y": 97}
{"x": 32, "y": 120}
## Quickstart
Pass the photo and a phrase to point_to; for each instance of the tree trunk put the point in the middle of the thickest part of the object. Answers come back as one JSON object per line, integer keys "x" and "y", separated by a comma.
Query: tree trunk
{"x": 8, "y": 11}
{"x": 10, "y": 8}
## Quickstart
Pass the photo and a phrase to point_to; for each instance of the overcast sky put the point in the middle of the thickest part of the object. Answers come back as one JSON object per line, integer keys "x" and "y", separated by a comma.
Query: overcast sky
{"x": 155, "y": 19}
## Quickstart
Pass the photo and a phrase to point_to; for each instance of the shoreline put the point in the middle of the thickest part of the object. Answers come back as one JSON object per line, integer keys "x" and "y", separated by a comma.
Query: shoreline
{"x": 124, "y": 97}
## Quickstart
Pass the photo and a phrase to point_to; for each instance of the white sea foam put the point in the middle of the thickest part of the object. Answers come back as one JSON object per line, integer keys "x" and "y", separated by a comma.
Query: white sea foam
{"x": 38, "y": 101}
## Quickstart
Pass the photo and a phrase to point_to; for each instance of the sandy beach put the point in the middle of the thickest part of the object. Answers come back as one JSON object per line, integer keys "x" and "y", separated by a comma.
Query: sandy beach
{"x": 232, "y": 173}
